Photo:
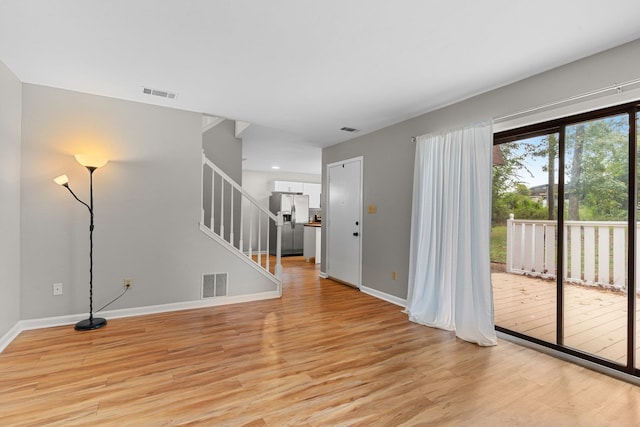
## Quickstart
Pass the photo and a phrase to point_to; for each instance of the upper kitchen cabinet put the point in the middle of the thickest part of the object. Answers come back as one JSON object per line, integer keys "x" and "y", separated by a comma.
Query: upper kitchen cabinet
{"x": 312, "y": 189}
{"x": 288, "y": 186}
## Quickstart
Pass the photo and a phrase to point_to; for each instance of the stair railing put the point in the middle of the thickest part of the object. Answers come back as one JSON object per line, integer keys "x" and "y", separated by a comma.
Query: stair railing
{"x": 228, "y": 211}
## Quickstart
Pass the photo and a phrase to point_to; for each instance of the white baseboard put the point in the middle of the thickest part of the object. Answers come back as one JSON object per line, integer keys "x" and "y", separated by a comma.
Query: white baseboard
{"x": 6, "y": 339}
{"x": 384, "y": 296}
{"x": 323, "y": 275}
{"x": 48, "y": 322}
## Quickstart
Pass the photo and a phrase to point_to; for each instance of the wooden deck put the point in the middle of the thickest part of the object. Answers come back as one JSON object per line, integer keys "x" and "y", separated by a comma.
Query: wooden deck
{"x": 595, "y": 319}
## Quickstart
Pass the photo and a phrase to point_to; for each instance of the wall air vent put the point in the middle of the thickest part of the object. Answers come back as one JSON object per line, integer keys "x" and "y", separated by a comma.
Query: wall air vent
{"x": 160, "y": 93}
{"x": 214, "y": 285}
{"x": 348, "y": 129}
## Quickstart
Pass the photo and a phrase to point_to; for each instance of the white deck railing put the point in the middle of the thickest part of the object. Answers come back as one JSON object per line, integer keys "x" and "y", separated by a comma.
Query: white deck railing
{"x": 236, "y": 218}
{"x": 594, "y": 251}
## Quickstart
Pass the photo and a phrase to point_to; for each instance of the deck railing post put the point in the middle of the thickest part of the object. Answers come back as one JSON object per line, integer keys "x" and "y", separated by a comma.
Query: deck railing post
{"x": 510, "y": 248}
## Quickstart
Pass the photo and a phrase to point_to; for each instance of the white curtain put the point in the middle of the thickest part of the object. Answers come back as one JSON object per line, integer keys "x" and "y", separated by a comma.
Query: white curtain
{"x": 449, "y": 271}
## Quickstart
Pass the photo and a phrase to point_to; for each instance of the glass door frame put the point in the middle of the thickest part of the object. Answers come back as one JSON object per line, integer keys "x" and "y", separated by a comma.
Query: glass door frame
{"x": 559, "y": 126}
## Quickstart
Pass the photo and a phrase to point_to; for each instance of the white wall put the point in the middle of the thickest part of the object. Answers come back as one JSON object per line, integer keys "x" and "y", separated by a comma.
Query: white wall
{"x": 147, "y": 205}
{"x": 10, "y": 112}
{"x": 389, "y": 154}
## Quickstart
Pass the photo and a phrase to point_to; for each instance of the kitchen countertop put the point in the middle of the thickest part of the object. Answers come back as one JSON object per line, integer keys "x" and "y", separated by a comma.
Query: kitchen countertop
{"x": 313, "y": 224}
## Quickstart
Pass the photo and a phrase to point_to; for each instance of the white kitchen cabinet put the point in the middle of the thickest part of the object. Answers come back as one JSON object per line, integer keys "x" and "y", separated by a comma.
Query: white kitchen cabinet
{"x": 313, "y": 190}
{"x": 288, "y": 186}
{"x": 312, "y": 242}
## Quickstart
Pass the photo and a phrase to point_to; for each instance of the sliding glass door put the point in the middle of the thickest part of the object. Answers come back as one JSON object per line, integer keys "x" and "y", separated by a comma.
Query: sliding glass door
{"x": 596, "y": 191}
{"x": 563, "y": 247}
{"x": 523, "y": 235}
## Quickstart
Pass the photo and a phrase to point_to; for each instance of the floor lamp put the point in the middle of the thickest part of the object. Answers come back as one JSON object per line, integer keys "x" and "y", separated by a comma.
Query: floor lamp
{"x": 91, "y": 163}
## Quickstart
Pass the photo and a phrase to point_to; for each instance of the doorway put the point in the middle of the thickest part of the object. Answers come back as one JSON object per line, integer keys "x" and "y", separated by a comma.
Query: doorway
{"x": 344, "y": 221}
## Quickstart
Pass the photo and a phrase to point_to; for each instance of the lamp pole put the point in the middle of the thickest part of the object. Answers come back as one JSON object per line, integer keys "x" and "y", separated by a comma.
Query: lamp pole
{"x": 91, "y": 322}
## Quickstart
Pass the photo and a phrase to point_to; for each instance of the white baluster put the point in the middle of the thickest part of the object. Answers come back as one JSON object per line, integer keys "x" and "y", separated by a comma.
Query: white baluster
{"x": 278, "y": 269}
{"x": 589, "y": 253}
{"x": 619, "y": 257}
{"x": 603, "y": 255}
{"x": 259, "y": 240}
{"x": 538, "y": 261}
{"x": 241, "y": 223}
{"x": 550, "y": 250}
{"x": 250, "y": 231}
{"x": 213, "y": 200}
{"x": 509, "y": 260}
{"x": 267, "y": 245}
{"x": 576, "y": 252}
{"x": 523, "y": 238}
{"x": 202, "y": 189}
{"x": 232, "y": 213}
{"x": 222, "y": 207}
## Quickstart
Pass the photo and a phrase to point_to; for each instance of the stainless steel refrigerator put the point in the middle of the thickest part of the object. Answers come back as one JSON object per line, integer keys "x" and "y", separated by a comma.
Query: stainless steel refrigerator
{"x": 295, "y": 213}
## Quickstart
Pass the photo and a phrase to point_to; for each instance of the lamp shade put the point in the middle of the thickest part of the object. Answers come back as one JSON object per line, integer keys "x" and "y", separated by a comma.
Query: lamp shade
{"x": 61, "y": 180}
{"x": 91, "y": 160}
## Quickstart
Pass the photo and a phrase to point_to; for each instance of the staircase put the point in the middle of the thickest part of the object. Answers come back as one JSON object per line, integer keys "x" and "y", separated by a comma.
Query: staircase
{"x": 239, "y": 223}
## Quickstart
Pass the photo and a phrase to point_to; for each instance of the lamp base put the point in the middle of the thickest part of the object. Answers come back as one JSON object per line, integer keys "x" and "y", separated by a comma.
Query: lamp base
{"x": 90, "y": 324}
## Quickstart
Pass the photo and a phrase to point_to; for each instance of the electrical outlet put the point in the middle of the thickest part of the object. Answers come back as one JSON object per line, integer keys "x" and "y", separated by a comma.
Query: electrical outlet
{"x": 57, "y": 289}
{"x": 127, "y": 283}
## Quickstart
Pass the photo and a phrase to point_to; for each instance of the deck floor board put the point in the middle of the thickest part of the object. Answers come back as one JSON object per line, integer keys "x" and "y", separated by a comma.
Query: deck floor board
{"x": 595, "y": 319}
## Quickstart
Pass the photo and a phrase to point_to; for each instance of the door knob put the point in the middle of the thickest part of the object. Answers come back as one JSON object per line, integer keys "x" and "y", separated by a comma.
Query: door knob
{"x": 356, "y": 233}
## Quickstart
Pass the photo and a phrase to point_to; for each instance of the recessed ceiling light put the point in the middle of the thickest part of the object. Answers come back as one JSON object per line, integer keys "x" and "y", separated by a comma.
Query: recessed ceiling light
{"x": 275, "y": 167}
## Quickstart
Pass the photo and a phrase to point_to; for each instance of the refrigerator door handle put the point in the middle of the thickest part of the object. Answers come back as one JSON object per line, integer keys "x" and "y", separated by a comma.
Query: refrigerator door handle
{"x": 293, "y": 215}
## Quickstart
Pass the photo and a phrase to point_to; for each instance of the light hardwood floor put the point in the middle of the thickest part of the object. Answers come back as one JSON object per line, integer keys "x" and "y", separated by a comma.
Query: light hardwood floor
{"x": 323, "y": 355}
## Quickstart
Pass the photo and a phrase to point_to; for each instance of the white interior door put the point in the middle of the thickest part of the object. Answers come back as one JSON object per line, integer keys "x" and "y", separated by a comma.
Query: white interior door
{"x": 344, "y": 212}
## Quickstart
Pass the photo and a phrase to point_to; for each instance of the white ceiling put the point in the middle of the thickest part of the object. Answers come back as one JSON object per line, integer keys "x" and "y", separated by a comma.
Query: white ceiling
{"x": 303, "y": 69}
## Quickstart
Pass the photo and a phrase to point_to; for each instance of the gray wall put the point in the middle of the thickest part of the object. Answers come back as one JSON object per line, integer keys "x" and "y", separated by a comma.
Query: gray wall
{"x": 10, "y": 112}
{"x": 389, "y": 153}
{"x": 221, "y": 146}
{"x": 147, "y": 205}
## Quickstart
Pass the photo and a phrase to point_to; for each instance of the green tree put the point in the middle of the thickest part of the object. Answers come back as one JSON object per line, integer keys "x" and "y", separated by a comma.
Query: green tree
{"x": 598, "y": 180}
{"x": 510, "y": 194}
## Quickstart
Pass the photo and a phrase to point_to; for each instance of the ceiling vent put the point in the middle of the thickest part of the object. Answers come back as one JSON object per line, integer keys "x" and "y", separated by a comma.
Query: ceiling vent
{"x": 348, "y": 129}
{"x": 160, "y": 93}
